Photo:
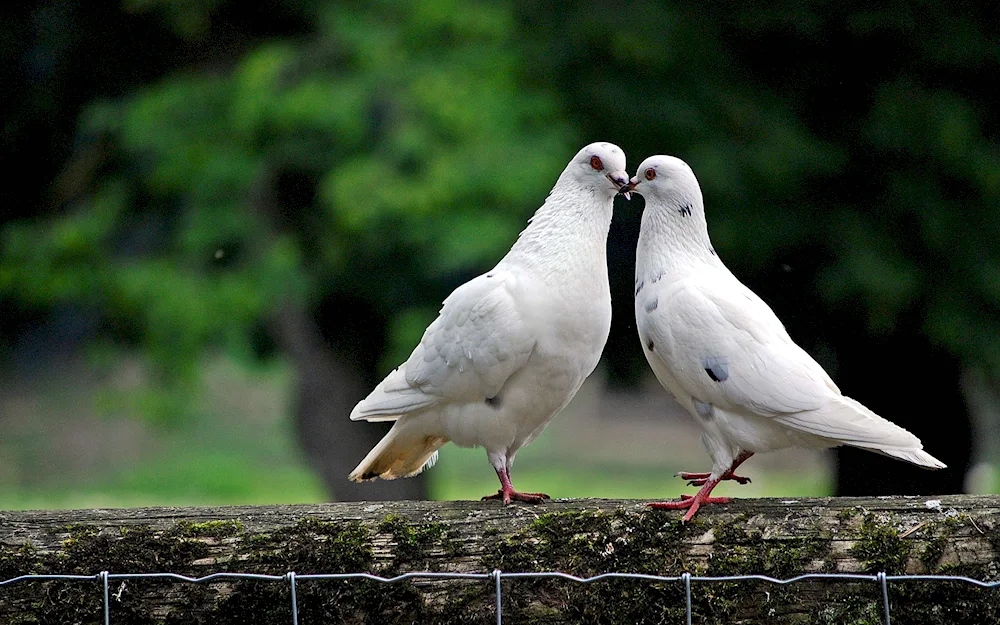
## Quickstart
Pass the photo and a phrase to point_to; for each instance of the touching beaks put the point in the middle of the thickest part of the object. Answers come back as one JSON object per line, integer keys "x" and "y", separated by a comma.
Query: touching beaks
{"x": 621, "y": 182}
{"x": 626, "y": 189}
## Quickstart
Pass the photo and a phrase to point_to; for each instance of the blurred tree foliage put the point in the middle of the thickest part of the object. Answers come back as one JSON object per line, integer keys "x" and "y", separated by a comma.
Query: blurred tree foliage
{"x": 313, "y": 178}
{"x": 320, "y": 191}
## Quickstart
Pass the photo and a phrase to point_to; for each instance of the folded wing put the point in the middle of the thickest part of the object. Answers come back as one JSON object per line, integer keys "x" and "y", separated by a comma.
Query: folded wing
{"x": 476, "y": 343}
{"x": 726, "y": 347}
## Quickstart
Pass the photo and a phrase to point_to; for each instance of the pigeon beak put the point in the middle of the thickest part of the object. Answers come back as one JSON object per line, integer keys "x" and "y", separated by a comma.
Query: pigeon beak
{"x": 626, "y": 189}
{"x": 621, "y": 182}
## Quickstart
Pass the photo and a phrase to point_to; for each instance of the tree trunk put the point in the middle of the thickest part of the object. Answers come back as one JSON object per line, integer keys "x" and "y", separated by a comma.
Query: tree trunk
{"x": 327, "y": 387}
{"x": 779, "y": 538}
{"x": 327, "y": 390}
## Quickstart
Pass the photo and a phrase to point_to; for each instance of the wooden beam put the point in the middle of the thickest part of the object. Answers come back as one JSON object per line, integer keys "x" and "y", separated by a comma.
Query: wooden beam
{"x": 775, "y": 537}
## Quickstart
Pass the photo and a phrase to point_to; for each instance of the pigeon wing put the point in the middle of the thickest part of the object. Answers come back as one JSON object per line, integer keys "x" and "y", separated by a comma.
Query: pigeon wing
{"x": 726, "y": 347}
{"x": 467, "y": 354}
{"x": 730, "y": 350}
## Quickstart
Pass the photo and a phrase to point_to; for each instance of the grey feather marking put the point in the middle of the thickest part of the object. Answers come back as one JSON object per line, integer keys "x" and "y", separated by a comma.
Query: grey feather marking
{"x": 716, "y": 368}
{"x": 651, "y": 306}
{"x": 639, "y": 286}
{"x": 703, "y": 409}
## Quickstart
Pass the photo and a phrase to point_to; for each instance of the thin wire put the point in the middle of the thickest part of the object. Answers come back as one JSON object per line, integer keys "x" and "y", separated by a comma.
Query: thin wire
{"x": 596, "y": 578}
{"x": 398, "y": 578}
{"x": 46, "y": 577}
{"x": 687, "y": 593}
{"x": 941, "y": 578}
{"x": 107, "y": 605}
{"x": 541, "y": 574}
{"x": 885, "y": 595}
{"x": 197, "y": 580}
{"x": 881, "y": 578}
{"x": 496, "y": 575}
{"x": 295, "y": 603}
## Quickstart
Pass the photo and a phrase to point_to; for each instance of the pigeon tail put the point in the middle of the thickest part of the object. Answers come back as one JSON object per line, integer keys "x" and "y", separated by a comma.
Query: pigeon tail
{"x": 918, "y": 457}
{"x": 400, "y": 453}
{"x": 848, "y": 422}
{"x": 391, "y": 399}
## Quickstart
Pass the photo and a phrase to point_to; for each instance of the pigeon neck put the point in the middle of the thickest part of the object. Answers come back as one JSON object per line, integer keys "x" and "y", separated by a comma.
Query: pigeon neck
{"x": 570, "y": 230}
{"x": 674, "y": 239}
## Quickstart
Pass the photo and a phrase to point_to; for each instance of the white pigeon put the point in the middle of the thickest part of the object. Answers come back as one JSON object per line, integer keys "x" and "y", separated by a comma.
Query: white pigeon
{"x": 725, "y": 356}
{"x": 510, "y": 347}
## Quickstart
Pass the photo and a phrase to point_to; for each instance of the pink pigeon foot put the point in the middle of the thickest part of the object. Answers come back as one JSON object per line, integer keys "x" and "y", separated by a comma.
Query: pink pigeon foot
{"x": 703, "y": 496}
{"x": 692, "y": 503}
{"x": 508, "y": 494}
{"x": 512, "y": 495}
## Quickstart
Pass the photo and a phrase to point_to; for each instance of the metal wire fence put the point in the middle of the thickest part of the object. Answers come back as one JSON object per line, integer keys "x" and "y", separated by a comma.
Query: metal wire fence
{"x": 496, "y": 577}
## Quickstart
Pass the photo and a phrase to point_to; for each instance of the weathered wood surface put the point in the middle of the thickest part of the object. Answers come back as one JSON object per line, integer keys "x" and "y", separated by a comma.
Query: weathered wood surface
{"x": 780, "y": 538}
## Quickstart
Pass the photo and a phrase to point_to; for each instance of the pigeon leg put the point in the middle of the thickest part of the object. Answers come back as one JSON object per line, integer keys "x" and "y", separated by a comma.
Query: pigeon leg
{"x": 703, "y": 496}
{"x": 508, "y": 494}
{"x": 539, "y": 496}
{"x": 699, "y": 479}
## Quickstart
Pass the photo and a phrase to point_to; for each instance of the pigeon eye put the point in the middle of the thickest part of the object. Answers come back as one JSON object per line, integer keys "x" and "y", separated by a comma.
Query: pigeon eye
{"x": 595, "y": 162}
{"x": 650, "y": 173}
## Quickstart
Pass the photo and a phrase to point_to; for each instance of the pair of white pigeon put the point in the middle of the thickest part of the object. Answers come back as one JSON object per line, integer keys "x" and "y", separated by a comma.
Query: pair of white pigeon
{"x": 512, "y": 346}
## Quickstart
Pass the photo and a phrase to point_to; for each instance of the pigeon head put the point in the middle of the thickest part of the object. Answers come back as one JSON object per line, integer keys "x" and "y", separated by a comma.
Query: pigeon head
{"x": 666, "y": 179}
{"x": 675, "y": 211}
{"x": 601, "y": 168}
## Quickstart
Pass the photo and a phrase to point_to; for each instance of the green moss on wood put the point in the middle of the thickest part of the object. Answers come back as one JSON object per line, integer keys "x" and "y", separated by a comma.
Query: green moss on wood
{"x": 880, "y": 547}
{"x": 590, "y": 543}
{"x": 208, "y": 529}
{"x": 308, "y": 546}
{"x": 741, "y": 549}
{"x": 413, "y": 543}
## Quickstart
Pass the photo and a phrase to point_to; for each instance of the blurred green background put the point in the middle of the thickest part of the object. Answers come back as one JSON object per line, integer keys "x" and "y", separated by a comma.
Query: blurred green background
{"x": 224, "y": 222}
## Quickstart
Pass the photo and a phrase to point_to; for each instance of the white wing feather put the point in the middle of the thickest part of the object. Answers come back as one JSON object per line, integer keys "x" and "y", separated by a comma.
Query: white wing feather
{"x": 717, "y": 318}
{"x": 467, "y": 354}
{"x": 767, "y": 373}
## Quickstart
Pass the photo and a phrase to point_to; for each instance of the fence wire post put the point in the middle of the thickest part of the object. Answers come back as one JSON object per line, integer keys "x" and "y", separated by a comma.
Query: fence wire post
{"x": 885, "y": 595}
{"x": 107, "y": 604}
{"x": 496, "y": 576}
{"x": 687, "y": 592}
{"x": 295, "y": 603}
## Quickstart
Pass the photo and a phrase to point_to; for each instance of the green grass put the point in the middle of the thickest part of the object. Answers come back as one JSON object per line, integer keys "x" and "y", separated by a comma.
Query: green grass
{"x": 239, "y": 449}
{"x": 200, "y": 478}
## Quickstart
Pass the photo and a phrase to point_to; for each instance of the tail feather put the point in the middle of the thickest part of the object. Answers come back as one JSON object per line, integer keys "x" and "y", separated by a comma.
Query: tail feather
{"x": 400, "y": 453}
{"x": 392, "y": 398}
{"x": 918, "y": 457}
{"x": 848, "y": 422}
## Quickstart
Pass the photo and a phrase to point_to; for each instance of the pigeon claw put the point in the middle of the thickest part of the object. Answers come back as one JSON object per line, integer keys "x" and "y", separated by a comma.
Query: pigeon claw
{"x": 691, "y": 476}
{"x": 508, "y": 496}
{"x": 690, "y": 502}
{"x": 700, "y": 479}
